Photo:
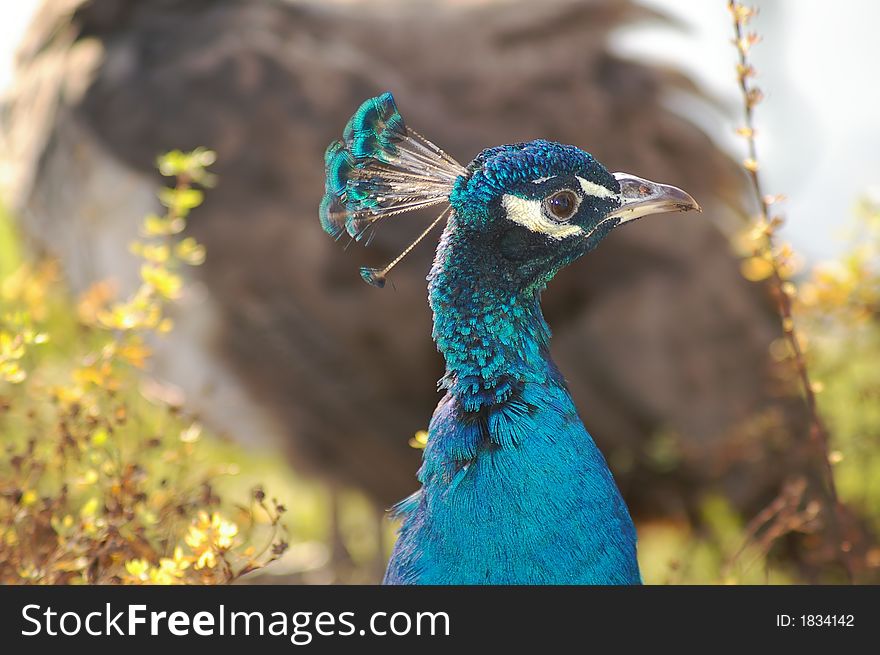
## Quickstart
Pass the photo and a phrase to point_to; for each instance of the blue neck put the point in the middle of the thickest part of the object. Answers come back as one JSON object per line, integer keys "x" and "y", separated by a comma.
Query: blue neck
{"x": 490, "y": 331}
{"x": 514, "y": 489}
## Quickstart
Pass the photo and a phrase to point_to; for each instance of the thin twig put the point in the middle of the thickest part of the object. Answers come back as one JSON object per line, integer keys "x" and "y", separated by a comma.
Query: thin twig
{"x": 819, "y": 436}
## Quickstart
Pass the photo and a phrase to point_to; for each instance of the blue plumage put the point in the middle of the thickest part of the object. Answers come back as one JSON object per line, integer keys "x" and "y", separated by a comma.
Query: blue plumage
{"x": 519, "y": 496}
{"x": 514, "y": 490}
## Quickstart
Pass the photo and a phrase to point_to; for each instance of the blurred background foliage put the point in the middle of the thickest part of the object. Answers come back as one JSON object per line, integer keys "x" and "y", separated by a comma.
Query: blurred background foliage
{"x": 101, "y": 480}
{"x": 195, "y": 386}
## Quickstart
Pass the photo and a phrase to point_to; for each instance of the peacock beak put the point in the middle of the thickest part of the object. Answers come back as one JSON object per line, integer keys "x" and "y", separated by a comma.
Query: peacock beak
{"x": 640, "y": 197}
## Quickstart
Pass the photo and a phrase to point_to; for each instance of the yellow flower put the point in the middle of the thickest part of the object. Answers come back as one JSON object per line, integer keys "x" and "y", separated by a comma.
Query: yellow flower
{"x": 171, "y": 569}
{"x": 28, "y": 287}
{"x": 167, "y": 284}
{"x": 210, "y": 533}
{"x": 206, "y": 560}
{"x": 756, "y": 269}
{"x": 12, "y": 372}
{"x": 180, "y": 560}
{"x": 225, "y": 532}
{"x": 135, "y": 352}
{"x": 90, "y": 508}
{"x": 195, "y": 538}
{"x": 138, "y": 569}
{"x": 11, "y": 346}
{"x": 98, "y": 374}
{"x": 95, "y": 300}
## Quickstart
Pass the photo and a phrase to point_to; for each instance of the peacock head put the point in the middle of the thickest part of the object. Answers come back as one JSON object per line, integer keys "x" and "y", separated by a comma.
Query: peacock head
{"x": 525, "y": 210}
{"x": 540, "y": 205}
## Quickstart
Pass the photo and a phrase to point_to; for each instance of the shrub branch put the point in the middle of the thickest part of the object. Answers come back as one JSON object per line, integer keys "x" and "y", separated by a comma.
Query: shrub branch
{"x": 766, "y": 249}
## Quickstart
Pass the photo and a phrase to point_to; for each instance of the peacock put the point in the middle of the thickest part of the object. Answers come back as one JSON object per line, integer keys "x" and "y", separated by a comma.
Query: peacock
{"x": 513, "y": 488}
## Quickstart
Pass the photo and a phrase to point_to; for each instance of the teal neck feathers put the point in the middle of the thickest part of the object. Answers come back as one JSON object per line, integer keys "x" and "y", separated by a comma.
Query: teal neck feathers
{"x": 514, "y": 489}
{"x": 490, "y": 331}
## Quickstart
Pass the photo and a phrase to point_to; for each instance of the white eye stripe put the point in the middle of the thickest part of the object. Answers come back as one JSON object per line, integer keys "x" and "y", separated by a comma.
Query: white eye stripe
{"x": 589, "y": 188}
{"x": 530, "y": 214}
{"x": 593, "y": 189}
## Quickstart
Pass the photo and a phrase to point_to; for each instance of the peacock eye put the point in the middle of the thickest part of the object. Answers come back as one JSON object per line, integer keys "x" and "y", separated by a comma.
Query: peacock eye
{"x": 562, "y": 205}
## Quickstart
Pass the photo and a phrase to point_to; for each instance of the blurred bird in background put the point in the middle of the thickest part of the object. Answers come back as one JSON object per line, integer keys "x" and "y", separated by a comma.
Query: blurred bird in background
{"x": 283, "y": 347}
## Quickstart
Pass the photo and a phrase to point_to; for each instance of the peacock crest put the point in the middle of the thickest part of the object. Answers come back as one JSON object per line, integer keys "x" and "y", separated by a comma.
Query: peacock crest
{"x": 381, "y": 168}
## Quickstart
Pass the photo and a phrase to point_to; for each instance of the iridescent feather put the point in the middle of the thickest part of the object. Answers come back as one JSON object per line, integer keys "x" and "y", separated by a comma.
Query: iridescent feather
{"x": 381, "y": 168}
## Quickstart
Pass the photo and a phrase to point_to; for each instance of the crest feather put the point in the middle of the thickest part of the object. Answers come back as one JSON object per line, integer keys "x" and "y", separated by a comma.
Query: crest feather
{"x": 381, "y": 168}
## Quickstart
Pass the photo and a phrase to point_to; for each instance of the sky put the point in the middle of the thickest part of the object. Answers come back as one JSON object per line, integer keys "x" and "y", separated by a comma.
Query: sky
{"x": 819, "y": 136}
{"x": 818, "y": 129}
{"x": 14, "y": 17}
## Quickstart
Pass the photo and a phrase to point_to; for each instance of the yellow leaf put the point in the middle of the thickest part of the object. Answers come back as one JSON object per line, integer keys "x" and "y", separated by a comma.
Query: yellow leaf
{"x": 759, "y": 231}
{"x": 181, "y": 200}
{"x": 12, "y": 373}
{"x": 756, "y": 269}
{"x": 156, "y": 226}
{"x": 190, "y": 251}
{"x": 90, "y": 508}
{"x": 166, "y": 283}
{"x": 134, "y": 352}
{"x": 419, "y": 440}
{"x": 99, "y": 438}
{"x": 191, "y": 434}
{"x": 90, "y": 375}
{"x": 156, "y": 253}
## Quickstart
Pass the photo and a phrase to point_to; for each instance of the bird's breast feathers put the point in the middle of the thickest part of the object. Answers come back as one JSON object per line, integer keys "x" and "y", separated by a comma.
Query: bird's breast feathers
{"x": 517, "y": 495}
